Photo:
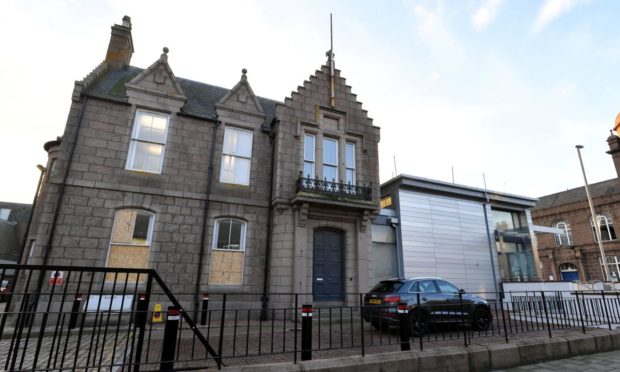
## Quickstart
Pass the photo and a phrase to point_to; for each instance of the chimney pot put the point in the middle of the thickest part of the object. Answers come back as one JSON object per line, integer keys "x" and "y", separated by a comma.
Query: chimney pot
{"x": 127, "y": 21}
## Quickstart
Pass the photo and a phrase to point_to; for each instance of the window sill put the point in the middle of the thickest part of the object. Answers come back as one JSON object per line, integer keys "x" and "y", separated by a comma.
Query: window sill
{"x": 143, "y": 172}
{"x": 228, "y": 250}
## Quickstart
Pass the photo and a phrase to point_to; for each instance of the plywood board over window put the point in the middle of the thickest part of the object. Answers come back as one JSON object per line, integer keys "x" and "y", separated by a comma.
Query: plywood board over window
{"x": 226, "y": 268}
{"x": 130, "y": 243}
{"x": 228, "y": 254}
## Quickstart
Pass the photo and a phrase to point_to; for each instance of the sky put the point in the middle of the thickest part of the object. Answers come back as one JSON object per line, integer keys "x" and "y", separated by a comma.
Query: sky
{"x": 504, "y": 88}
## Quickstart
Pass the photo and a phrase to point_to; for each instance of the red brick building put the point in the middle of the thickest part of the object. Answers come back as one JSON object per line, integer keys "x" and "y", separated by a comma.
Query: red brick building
{"x": 574, "y": 254}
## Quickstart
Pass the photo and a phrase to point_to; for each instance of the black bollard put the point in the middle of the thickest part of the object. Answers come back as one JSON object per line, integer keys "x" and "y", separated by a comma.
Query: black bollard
{"x": 75, "y": 310}
{"x": 306, "y": 332}
{"x": 205, "y": 309}
{"x": 141, "y": 310}
{"x": 403, "y": 326}
{"x": 170, "y": 338}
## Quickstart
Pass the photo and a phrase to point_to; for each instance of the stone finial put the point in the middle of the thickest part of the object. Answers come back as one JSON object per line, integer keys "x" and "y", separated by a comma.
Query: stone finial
{"x": 164, "y": 55}
{"x": 166, "y": 50}
{"x": 244, "y": 71}
{"x": 127, "y": 21}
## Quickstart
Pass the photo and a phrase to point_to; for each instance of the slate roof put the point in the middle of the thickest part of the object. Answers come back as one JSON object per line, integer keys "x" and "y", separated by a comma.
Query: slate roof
{"x": 19, "y": 212}
{"x": 201, "y": 97}
{"x": 576, "y": 195}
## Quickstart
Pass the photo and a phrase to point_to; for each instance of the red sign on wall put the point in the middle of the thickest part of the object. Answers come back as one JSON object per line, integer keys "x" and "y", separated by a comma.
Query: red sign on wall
{"x": 56, "y": 278}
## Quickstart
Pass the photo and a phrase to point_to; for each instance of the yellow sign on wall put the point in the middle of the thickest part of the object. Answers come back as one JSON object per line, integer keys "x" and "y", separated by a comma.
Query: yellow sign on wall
{"x": 157, "y": 315}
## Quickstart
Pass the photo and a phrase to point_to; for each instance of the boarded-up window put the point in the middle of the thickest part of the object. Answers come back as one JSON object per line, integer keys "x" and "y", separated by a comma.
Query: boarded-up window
{"x": 130, "y": 242}
{"x": 227, "y": 256}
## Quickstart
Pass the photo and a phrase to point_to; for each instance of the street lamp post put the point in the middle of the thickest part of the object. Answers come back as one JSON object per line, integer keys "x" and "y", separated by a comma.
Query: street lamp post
{"x": 597, "y": 222}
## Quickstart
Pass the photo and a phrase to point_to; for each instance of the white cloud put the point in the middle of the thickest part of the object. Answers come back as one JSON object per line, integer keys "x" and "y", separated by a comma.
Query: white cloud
{"x": 483, "y": 17}
{"x": 551, "y": 10}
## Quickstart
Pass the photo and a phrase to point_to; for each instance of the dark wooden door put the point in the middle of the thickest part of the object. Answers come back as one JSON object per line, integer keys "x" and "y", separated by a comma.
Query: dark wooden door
{"x": 328, "y": 268}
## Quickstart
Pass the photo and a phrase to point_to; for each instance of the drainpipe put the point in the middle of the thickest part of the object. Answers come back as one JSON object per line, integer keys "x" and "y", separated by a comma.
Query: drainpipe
{"x": 265, "y": 298}
{"x": 205, "y": 219}
{"x": 34, "y": 204}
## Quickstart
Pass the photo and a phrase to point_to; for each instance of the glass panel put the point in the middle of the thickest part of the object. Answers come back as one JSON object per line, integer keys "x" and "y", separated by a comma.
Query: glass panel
{"x": 230, "y": 141}
{"x": 223, "y": 234}
{"x": 308, "y": 169}
{"x": 242, "y": 171}
{"x": 350, "y": 177}
{"x": 237, "y": 142}
{"x": 426, "y": 286}
{"x": 350, "y": 149}
{"x": 227, "y": 173}
{"x": 235, "y": 235}
{"x": 387, "y": 286}
{"x": 330, "y": 173}
{"x": 502, "y": 220}
{"x": 445, "y": 287}
{"x": 147, "y": 156}
{"x": 152, "y": 128}
{"x": 309, "y": 147}
{"x": 330, "y": 152}
{"x": 244, "y": 144}
{"x": 141, "y": 228}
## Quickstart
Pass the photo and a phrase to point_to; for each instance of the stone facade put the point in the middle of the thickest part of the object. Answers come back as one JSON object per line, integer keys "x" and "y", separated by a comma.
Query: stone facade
{"x": 91, "y": 183}
{"x": 581, "y": 251}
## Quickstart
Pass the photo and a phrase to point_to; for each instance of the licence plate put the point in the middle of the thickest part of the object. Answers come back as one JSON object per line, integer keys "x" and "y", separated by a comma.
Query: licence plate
{"x": 375, "y": 301}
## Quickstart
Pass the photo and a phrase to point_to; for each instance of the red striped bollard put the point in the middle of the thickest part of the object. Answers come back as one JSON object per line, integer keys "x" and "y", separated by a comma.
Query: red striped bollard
{"x": 306, "y": 332}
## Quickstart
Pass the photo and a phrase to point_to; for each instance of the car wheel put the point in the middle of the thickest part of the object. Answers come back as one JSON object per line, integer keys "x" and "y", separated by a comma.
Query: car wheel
{"x": 418, "y": 323}
{"x": 481, "y": 319}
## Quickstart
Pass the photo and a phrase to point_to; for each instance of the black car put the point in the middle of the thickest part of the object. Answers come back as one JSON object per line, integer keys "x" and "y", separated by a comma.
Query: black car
{"x": 439, "y": 302}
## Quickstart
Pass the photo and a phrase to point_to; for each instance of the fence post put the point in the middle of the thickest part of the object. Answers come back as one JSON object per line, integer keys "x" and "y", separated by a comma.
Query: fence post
{"x": 501, "y": 304}
{"x": 403, "y": 326}
{"x": 75, "y": 310}
{"x": 306, "y": 332}
{"x": 362, "y": 323}
{"x": 170, "y": 338}
{"x": 220, "y": 345}
{"x": 205, "y": 309}
{"x": 420, "y": 333}
{"x": 583, "y": 326}
{"x": 463, "y": 318}
{"x": 606, "y": 311}
{"x": 546, "y": 313}
{"x": 296, "y": 323}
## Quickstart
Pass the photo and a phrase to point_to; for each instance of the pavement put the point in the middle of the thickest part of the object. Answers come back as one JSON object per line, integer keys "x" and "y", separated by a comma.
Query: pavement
{"x": 594, "y": 362}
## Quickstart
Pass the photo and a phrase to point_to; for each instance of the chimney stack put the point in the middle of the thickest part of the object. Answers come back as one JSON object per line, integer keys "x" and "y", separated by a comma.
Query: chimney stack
{"x": 614, "y": 146}
{"x": 120, "y": 48}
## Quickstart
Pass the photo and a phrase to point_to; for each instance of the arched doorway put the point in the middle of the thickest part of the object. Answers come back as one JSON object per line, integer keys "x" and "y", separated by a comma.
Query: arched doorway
{"x": 569, "y": 272}
{"x": 328, "y": 265}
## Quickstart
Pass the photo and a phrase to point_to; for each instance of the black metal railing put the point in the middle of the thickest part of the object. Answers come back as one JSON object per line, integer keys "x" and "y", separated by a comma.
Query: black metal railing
{"x": 332, "y": 189}
{"x": 129, "y": 319}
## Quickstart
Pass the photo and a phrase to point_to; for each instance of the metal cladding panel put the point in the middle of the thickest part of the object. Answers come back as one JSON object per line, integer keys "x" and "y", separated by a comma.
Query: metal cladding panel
{"x": 445, "y": 237}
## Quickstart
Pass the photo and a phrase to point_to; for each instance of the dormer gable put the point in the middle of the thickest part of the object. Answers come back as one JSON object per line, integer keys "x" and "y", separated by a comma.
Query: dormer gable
{"x": 242, "y": 98}
{"x": 157, "y": 81}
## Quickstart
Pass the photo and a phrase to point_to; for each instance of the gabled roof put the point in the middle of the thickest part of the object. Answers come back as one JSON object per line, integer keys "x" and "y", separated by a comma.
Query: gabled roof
{"x": 578, "y": 194}
{"x": 201, "y": 97}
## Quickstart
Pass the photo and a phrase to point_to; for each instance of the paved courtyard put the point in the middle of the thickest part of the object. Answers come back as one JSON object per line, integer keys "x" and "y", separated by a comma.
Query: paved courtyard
{"x": 595, "y": 362}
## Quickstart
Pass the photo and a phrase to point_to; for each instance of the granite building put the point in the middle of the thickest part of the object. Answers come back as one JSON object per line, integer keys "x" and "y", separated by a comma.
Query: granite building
{"x": 216, "y": 189}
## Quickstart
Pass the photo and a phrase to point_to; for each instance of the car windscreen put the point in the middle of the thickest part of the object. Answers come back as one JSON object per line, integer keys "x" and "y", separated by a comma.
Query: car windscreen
{"x": 387, "y": 287}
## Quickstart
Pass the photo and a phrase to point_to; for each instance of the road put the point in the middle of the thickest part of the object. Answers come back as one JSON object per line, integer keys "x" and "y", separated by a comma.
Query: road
{"x": 595, "y": 362}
